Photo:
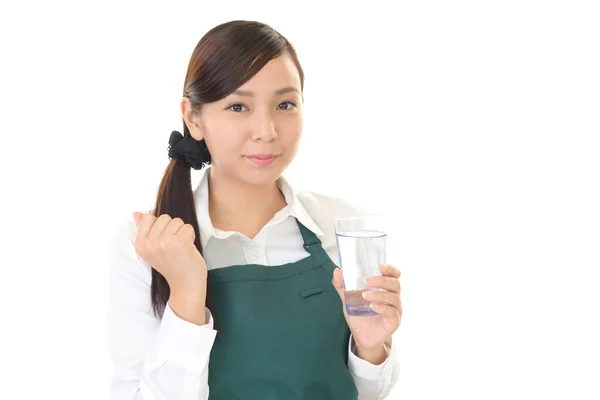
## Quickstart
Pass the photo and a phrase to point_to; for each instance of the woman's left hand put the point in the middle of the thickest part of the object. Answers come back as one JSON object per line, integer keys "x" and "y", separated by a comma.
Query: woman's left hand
{"x": 371, "y": 332}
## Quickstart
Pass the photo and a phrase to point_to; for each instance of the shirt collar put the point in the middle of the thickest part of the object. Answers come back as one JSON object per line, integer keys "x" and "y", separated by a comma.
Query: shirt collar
{"x": 293, "y": 208}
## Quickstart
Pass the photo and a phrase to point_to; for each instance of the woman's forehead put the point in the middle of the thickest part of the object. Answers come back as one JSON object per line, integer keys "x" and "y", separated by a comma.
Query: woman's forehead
{"x": 274, "y": 79}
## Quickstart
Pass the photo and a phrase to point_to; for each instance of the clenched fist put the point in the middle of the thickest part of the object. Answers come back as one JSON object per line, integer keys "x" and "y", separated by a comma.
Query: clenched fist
{"x": 167, "y": 244}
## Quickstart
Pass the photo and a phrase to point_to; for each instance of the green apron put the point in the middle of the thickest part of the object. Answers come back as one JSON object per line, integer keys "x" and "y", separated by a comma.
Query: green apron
{"x": 281, "y": 331}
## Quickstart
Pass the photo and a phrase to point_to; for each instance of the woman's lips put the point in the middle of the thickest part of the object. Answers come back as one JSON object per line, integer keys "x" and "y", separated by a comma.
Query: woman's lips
{"x": 262, "y": 159}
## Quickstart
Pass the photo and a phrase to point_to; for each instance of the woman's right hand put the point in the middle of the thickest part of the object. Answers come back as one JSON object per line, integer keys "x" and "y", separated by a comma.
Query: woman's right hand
{"x": 167, "y": 244}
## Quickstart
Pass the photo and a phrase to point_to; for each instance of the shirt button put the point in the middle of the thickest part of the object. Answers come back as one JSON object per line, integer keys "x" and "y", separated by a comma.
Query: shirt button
{"x": 253, "y": 253}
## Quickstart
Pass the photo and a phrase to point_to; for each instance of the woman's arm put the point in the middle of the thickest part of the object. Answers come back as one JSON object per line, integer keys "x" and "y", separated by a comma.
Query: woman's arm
{"x": 153, "y": 360}
{"x": 373, "y": 382}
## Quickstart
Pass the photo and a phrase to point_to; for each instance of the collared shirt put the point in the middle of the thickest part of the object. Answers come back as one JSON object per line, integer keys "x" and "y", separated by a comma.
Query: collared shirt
{"x": 169, "y": 359}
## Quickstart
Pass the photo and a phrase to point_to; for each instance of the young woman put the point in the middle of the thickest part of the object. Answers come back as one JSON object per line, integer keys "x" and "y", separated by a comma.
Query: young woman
{"x": 231, "y": 290}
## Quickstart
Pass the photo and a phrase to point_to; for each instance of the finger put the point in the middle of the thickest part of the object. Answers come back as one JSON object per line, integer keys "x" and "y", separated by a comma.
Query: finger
{"x": 383, "y": 297}
{"x": 389, "y": 270}
{"x": 384, "y": 282}
{"x": 386, "y": 310}
{"x": 338, "y": 284}
{"x": 137, "y": 216}
{"x": 173, "y": 226}
{"x": 160, "y": 224}
{"x": 338, "y": 280}
{"x": 187, "y": 231}
{"x": 145, "y": 223}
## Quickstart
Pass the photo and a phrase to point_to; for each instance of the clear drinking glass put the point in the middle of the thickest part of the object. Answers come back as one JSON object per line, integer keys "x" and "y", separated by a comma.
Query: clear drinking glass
{"x": 361, "y": 248}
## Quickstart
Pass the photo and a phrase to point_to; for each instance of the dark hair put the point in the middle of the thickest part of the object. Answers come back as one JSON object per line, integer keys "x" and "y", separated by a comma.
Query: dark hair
{"x": 225, "y": 58}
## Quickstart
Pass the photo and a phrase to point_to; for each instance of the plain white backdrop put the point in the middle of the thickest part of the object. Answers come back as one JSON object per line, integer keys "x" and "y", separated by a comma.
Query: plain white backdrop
{"x": 474, "y": 125}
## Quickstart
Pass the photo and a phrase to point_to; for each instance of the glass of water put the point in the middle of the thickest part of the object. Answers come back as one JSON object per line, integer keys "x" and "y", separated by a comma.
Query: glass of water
{"x": 361, "y": 248}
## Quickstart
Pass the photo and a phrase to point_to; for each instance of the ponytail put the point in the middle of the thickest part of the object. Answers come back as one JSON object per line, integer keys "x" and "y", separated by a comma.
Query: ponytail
{"x": 176, "y": 198}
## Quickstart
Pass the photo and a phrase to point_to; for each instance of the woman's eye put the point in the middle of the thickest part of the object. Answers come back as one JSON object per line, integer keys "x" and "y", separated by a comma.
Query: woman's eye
{"x": 235, "y": 107}
{"x": 290, "y": 103}
{"x": 287, "y": 105}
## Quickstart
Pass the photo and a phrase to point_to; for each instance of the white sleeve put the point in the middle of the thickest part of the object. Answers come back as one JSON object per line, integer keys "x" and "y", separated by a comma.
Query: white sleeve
{"x": 373, "y": 382}
{"x": 153, "y": 360}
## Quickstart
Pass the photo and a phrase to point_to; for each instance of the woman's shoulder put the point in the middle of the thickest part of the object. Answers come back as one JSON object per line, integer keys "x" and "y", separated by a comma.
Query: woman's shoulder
{"x": 322, "y": 208}
{"x": 328, "y": 205}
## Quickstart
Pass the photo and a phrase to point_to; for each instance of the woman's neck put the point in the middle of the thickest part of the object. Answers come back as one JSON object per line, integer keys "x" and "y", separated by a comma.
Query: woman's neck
{"x": 236, "y": 206}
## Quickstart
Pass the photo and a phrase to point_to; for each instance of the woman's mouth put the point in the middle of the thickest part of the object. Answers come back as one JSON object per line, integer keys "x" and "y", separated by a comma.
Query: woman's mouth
{"x": 262, "y": 159}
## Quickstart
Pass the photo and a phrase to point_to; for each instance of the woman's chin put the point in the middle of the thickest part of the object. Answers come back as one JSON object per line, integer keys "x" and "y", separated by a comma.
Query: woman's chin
{"x": 262, "y": 175}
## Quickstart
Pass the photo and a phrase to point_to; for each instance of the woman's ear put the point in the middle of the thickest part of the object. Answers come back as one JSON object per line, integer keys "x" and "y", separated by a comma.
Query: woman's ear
{"x": 191, "y": 119}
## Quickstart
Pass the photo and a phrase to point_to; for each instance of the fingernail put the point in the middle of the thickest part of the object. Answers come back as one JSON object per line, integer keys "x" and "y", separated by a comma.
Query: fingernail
{"x": 365, "y": 295}
{"x": 368, "y": 280}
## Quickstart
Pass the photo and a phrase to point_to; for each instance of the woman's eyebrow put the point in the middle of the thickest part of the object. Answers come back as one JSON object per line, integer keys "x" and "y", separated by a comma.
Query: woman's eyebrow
{"x": 277, "y": 92}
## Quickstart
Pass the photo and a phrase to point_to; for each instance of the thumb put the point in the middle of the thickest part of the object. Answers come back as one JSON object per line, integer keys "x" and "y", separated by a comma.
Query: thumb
{"x": 137, "y": 216}
{"x": 338, "y": 284}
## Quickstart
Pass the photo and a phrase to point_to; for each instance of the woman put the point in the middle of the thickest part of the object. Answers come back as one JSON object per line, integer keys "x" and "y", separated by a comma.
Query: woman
{"x": 231, "y": 291}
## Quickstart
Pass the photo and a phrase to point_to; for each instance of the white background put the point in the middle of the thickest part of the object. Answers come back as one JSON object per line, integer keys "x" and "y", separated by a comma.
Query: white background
{"x": 473, "y": 124}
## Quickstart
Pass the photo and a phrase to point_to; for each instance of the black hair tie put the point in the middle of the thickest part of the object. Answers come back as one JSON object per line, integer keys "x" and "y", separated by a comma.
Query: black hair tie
{"x": 195, "y": 152}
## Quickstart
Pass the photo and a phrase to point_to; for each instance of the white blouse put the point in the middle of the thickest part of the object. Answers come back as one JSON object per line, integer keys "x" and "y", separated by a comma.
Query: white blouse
{"x": 169, "y": 359}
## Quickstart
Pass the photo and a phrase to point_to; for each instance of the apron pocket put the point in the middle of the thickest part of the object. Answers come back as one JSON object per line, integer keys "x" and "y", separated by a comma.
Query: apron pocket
{"x": 309, "y": 292}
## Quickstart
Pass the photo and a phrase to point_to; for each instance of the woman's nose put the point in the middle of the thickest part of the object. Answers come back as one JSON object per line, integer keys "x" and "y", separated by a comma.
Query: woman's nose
{"x": 264, "y": 129}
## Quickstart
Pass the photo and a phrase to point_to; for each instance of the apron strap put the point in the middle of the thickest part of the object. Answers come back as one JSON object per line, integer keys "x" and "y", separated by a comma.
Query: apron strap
{"x": 312, "y": 243}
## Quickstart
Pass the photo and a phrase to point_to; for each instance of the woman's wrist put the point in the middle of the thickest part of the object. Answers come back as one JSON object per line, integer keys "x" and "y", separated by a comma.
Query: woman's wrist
{"x": 189, "y": 305}
{"x": 375, "y": 356}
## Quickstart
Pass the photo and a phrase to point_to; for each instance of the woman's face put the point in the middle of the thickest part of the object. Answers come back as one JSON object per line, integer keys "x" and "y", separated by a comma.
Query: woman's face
{"x": 262, "y": 117}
